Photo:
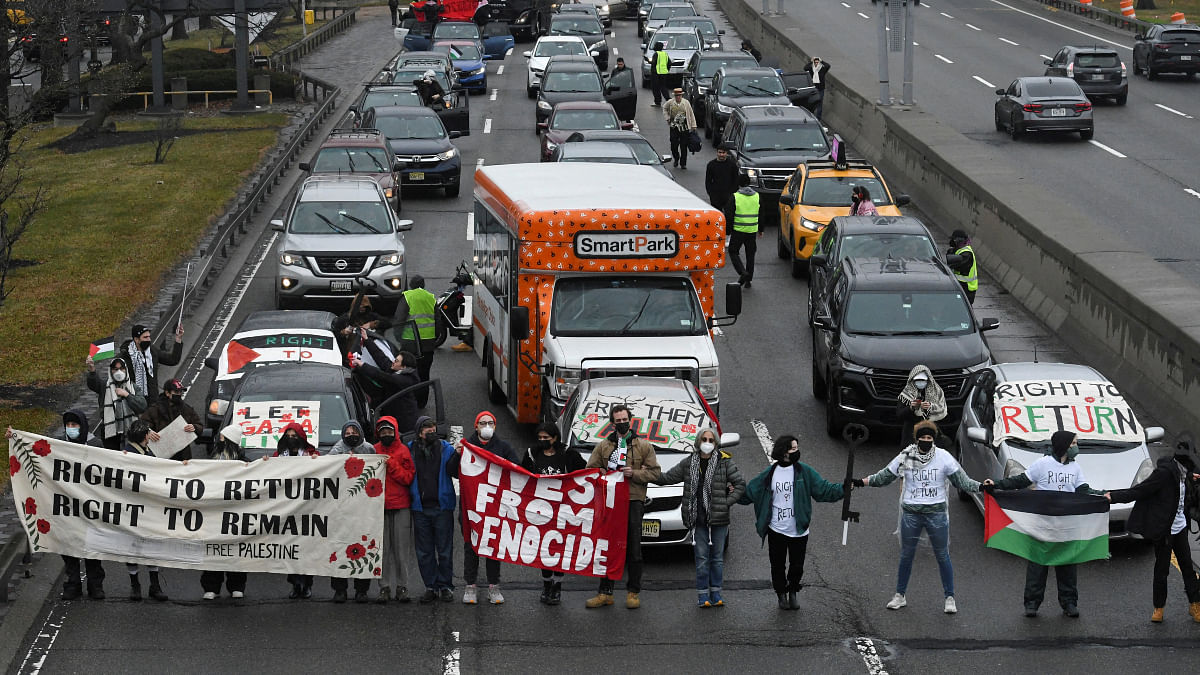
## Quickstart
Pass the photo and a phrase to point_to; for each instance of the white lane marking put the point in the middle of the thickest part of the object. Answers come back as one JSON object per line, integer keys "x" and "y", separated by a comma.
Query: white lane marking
{"x": 764, "y": 436}
{"x": 845, "y": 5}
{"x": 1044, "y": 57}
{"x": 916, "y": 44}
{"x": 1107, "y": 149}
{"x": 487, "y": 126}
{"x": 40, "y": 649}
{"x": 1191, "y": 192}
{"x": 1055, "y": 23}
{"x": 943, "y": 58}
{"x": 866, "y": 649}
{"x": 863, "y": 15}
{"x": 970, "y": 26}
{"x": 946, "y": 15}
{"x": 1015, "y": 44}
{"x": 500, "y": 70}
{"x": 471, "y": 226}
{"x": 984, "y": 82}
{"x": 450, "y": 660}
{"x": 495, "y": 93}
{"x": 1172, "y": 110}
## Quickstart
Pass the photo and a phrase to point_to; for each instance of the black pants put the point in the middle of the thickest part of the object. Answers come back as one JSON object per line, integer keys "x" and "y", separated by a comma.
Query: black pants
{"x": 471, "y": 566}
{"x": 658, "y": 84}
{"x": 342, "y": 583}
{"x": 95, "y": 573}
{"x": 736, "y": 241}
{"x": 679, "y": 146}
{"x": 395, "y": 15}
{"x": 1035, "y": 584}
{"x": 424, "y": 349}
{"x": 782, "y": 548}
{"x": 633, "y": 551}
{"x": 1177, "y": 543}
{"x": 234, "y": 581}
{"x": 969, "y": 293}
{"x": 302, "y": 580}
{"x": 820, "y": 106}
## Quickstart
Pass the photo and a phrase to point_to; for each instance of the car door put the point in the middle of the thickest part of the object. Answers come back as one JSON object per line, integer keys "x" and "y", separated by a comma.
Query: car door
{"x": 1008, "y": 100}
{"x": 621, "y": 92}
{"x": 458, "y": 116}
{"x": 791, "y": 188}
{"x": 800, "y": 89}
{"x": 1058, "y": 64}
{"x": 818, "y": 276}
{"x": 497, "y": 40}
{"x": 824, "y": 339}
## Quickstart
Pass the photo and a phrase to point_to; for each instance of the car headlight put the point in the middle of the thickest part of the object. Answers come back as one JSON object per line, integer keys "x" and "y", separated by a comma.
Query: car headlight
{"x": 477, "y": 71}
{"x": 1144, "y": 470}
{"x": 566, "y": 380}
{"x": 752, "y": 174}
{"x": 545, "y": 105}
{"x": 701, "y": 90}
{"x": 724, "y": 109}
{"x": 1012, "y": 467}
{"x": 810, "y": 225}
{"x": 292, "y": 259}
{"x": 710, "y": 382}
{"x": 389, "y": 259}
{"x": 217, "y": 406}
{"x": 849, "y": 366}
{"x": 550, "y": 147}
{"x": 449, "y": 154}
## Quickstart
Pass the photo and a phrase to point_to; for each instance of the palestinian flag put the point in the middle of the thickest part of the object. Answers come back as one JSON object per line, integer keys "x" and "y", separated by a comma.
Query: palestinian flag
{"x": 101, "y": 349}
{"x": 1047, "y": 527}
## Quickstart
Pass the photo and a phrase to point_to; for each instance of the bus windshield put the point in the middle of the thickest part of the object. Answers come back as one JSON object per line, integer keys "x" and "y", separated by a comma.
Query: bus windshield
{"x": 639, "y": 306}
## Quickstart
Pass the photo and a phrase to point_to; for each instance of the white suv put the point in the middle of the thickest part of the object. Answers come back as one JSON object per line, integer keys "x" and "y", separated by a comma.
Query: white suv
{"x": 539, "y": 56}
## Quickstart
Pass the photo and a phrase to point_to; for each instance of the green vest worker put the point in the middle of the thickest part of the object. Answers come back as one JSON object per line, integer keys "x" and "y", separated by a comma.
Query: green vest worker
{"x": 658, "y": 74}
{"x": 662, "y": 61}
{"x": 744, "y": 231}
{"x": 966, "y": 270}
{"x": 418, "y": 306}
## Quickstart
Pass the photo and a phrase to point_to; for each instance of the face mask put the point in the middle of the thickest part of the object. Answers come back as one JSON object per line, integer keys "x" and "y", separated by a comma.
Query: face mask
{"x": 353, "y": 441}
{"x": 706, "y": 448}
{"x": 291, "y": 442}
{"x": 72, "y": 433}
{"x": 544, "y": 444}
{"x": 925, "y": 446}
{"x": 144, "y": 345}
{"x": 485, "y": 433}
{"x": 621, "y": 427}
{"x": 1072, "y": 452}
{"x": 921, "y": 384}
{"x": 386, "y": 439}
{"x": 119, "y": 375}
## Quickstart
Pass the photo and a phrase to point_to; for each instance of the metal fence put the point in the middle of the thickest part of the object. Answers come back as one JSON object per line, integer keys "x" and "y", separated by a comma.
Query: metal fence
{"x": 283, "y": 59}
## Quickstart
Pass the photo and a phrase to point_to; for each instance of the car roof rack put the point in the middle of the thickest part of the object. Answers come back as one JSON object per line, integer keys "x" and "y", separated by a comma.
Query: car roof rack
{"x": 363, "y": 133}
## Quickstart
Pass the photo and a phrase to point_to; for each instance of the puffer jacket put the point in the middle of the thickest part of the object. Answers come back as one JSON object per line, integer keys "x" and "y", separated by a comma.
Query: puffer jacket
{"x": 720, "y": 499}
{"x": 400, "y": 470}
{"x": 642, "y": 460}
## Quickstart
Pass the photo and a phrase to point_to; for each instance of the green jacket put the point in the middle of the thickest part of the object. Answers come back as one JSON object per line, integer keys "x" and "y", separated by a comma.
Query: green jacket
{"x": 720, "y": 499}
{"x": 809, "y": 486}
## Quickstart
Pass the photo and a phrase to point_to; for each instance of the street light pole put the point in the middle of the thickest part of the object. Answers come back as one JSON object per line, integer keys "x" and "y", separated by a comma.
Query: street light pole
{"x": 885, "y": 91}
{"x": 909, "y": 36}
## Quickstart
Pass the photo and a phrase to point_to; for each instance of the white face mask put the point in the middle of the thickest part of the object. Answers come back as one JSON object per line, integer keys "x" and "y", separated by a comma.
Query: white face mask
{"x": 707, "y": 448}
{"x": 486, "y": 433}
{"x": 921, "y": 384}
{"x": 119, "y": 376}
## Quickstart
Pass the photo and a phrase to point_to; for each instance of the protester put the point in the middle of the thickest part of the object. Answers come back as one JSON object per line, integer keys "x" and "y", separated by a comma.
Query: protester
{"x": 416, "y": 308}
{"x": 818, "y": 70}
{"x": 401, "y": 375}
{"x": 660, "y": 62}
{"x": 1059, "y": 472}
{"x": 169, "y": 406}
{"x": 745, "y": 231}
{"x": 394, "y": 7}
{"x": 965, "y": 268}
{"x": 229, "y": 448}
{"x": 144, "y": 359}
{"x": 430, "y": 90}
{"x": 712, "y": 484}
{"x": 750, "y": 49}
{"x": 433, "y": 502}
{"x": 782, "y": 496}
{"x": 620, "y": 67}
{"x": 136, "y": 441}
{"x": 1160, "y": 513}
{"x": 721, "y": 181}
{"x": 119, "y": 405}
{"x": 486, "y": 438}
{"x": 920, "y": 399}
{"x": 860, "y": 202}
{"x": 294, "y": 443}
{"x": 397, "y": 513}
{"x": 624, "y": 451}
{"x": 681, "y": 122}
{"x": 551, "y": 458}
{"x": 925, "y": 469}
{"x": 351, "y": 443}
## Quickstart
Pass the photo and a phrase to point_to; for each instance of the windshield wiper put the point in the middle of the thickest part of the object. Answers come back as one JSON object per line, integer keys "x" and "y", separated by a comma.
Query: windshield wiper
{"x": 626, "y": 327}
{"x": 374, "y": 161}
{"x": 350, "y": 159}
{"x": 738, "y": 89}
{"x": 362, "y": 222}
{"x": 918, "y": 332}
{"x": 876, "y": 333}
{"x": 336, "y": 228}
{"x": 768, "y": 92}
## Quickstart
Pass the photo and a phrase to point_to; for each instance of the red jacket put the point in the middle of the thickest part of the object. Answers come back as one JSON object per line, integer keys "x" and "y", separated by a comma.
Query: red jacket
{"x": 400, "y": 470}
{"x": 308, "y": 450}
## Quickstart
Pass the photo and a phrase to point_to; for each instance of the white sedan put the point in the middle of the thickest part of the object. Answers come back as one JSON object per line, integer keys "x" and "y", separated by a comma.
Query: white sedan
{"x": 547, "y": 46}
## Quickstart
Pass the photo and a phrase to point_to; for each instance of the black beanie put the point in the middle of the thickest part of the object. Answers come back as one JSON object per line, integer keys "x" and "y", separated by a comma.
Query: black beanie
{"x": 1061, "y": 441}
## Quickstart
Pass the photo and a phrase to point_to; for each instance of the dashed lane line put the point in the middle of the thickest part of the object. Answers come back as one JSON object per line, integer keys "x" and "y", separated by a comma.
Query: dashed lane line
{"x": 495, "y": 93}
{"x": 1172, "y": 110}
{"x": 1192, "y": 192}
{"x": 943, "y": 58}
{"x": 1015, "y": 44}
{"x": 863, "y": 15}
{"x": 984, "y": 82}
{"x": 845, "y": 5}
{"x": 487, "y": 125}
{"x": 764, "y": 436}
{"x": 1055, "y": 23}
{"x": 971, "y": 27}
{"x": 35, "y": 658}
{"x": 500, "y": 70}
{"x": 946, "y": 15}
{"x": 1107, "y": 149}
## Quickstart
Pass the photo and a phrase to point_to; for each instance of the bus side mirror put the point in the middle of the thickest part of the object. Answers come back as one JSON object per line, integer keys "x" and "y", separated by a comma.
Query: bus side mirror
{"x": 518, "y": 323}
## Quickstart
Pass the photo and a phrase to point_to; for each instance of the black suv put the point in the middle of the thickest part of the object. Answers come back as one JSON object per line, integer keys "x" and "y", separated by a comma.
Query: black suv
{"x": 1173, "y": 48}
{"x": 737, "y": 87}
{"x": 424, "y": 154}
{"x": 699, "y": 71}
{"x": 768, "y": 141}
{"x": 881, "y": 318}
{"x": 1098, "y": 71}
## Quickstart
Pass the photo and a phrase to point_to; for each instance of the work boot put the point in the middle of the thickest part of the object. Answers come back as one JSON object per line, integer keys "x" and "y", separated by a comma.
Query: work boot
{"x": 96, "y": 592}
{"x": 1157, "y": 616}
{"x": 360, "y": 597}
{"x": 793, "y": 600}
{"x": 402, "y": 595}
{"x": 1194, "y": 610}
{"x": 156, "y": 591}
{"x": 632, "y": 601}
{"x": 462, "y": 347}
{"x": 135, "y": 588}
{"x": 783, "y": 601}
{"x": 339, "y": 596}
{"x": 385, "y": 594}
{"x": 555, "y": 593}
{"x": 72, "y": 591}
{"x": 599, "y": 600}
{"x": 544, "y": 598}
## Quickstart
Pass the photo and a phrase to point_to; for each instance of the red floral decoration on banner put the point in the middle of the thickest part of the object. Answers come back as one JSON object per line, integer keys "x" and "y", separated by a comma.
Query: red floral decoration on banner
{"x": 689, "y": 428}
{"x": 43, "y": 526}
{"x": 41, "y": 448}
{"x": 354, "y": 467}
{"x": 13, "y": 466}
{"x": 592, "y": 418}
{"x": 30, "y": 507}
{"x": 378, "y": 571}
{"x": 374, "y": 487}
{"x": 371, "y": 545}
{"x": 333, "y": 557}
{"x": 355, "y": 551}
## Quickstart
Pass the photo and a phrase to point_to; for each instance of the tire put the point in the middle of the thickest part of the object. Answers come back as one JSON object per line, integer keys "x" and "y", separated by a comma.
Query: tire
{"x": 1151, "y": 73}
{"x": 1086, "y": 134}
{"x": 452, "y": 191}
{"x": 441, "y": 331}
{"x": 531, "y": 92}
{"x": 1120, "y": 100}
{"x": 833, "y": 424}
{"x": 799, "y": 268}
{"x": 1015, "y": 130}
{"x": 708, "y": 126}
{"x": 818, "y": 384}
{"x": 999, "y": 124}
{"x": 781, "y": 245}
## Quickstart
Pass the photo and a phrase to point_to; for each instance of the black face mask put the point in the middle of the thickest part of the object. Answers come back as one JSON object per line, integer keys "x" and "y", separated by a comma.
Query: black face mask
{"x": 544, "y": 445}
{"x": 621, "y": 427}
{"x": 353, "y": 441}
{"x": 925, "y": 446}
{"x": 144, "y": 345}
{"x": 386, "y": 439}
{"x": 290, "y": 443}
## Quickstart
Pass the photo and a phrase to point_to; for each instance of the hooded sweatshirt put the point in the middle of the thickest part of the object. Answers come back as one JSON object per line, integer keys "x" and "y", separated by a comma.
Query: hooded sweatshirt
{"x": 363, "y": 447}
{"x": 116, "y": 412}
{"x": 400, "y": 469}
{"x": 77, "y": 416}
{"x": 308, "y": 449}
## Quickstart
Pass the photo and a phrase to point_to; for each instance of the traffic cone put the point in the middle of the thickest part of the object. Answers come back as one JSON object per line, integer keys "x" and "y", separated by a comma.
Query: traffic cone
{"x": 1178, "y": 17}
{"x": 1086, "y": 3}
{"x": 1127, "y": 9}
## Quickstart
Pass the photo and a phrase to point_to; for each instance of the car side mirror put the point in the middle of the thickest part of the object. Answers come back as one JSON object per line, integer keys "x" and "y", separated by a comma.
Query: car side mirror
{"x": 404, "y": 225}
{"x": 643, "y": 46}
{"x": 1154, "y": 434}
{"x": 527, "y": 54}
{"x": 720, "y": 32}
{"x": 733, "y": 299}
{"x": 212, "y": 363}
{"x": 903, "y": 200}
{"x": 793, "y": 90}
{"x": 455, "y": 134}
{"x": 277, "y": 225}
{"x": 305, "y": 166}
{"x": 787, "y": 200}
{"x": 542, "y": 126}
{"x": 1047, "y": 62}
{"x": 819, "y": 260}
{"x": 518, "y": 323}
{"x": 608, "y": 31}
{"x": 729, "y": 439}
{"x": 665, "y": 158}
{"x": 999, "y": 92}
{"x": 978, "y": 434}
{"x": 823, "y": 322}
{"x": 989, "y": 324}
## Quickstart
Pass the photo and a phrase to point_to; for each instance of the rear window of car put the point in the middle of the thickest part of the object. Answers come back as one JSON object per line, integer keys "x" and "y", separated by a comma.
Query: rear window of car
{"x": 1180, "y": 36}
{"x": 602, "y": 160}
{"x": 575, "y": 120}
{"x": 1109, "y": 60}
{"x": 556, "y": 48}
{"x": 708, "y": 67}
{"x": 1052, "y": 89}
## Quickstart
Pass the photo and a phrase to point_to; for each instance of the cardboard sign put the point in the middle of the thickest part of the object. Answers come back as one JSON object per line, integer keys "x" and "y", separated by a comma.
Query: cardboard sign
{"x": 263, "y": 422}
{"x": 666, "y": 424}
{"x": 1033, "y": 410}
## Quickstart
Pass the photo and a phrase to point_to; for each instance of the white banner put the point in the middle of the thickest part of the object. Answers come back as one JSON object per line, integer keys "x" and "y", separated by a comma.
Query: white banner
{"x": 263, "y": 422}
{"x": 293, "y": 515}
{"x": 666, "y": 424}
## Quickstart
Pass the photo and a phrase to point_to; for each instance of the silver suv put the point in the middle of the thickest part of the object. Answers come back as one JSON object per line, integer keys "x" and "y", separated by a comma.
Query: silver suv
{"x": 339, "y": 231}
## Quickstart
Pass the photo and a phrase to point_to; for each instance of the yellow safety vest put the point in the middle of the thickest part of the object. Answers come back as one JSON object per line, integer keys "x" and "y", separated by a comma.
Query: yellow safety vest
{"x": 971, "y": 279}
{"x": 662, "y": 62}
{"x": 745, "y": 212}
{"x": 421, "y": 305}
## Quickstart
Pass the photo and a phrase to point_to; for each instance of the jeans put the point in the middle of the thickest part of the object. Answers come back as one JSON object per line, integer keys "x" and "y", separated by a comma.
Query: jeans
{"x": 736, "y": 241}
{"x": 633, "y": 551}
{"x": 1064, "y": 575}
{"x": 709, "y": 546}
{"x": 211, "y": 581}
{"x": 938, "y": 527}
{"x": 433, "y": 533}
{"x": 1162, "y": 567}
{"x": 679, "y": 146}
{"x": 782, "y": 548}
{"x": 397, "y": 542}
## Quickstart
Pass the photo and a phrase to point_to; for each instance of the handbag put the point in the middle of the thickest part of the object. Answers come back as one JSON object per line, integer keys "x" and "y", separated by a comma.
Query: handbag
{"x": 694, "y": 141}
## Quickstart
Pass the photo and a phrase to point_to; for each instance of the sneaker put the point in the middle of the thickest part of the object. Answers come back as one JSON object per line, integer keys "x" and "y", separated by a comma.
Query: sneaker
{"x": 360, "y": 597}
{"x": 209, "y": 595}
{"x": 1071, "y": 611}
{"x": 897, "y": 601}
{"x": 951, "y": 608}
{"x": 599, "y": 600}
{"x": 702, "y": 601}
{"x": 71, "y": 592}
{"x": 385, "y": 594}
{"x": 429, "y": 596}
{"x": 237, "y": 595}
{"x": 447, "y": 595}
{"x": 1031, "y": 610}
{"x": 494, "y": 595}
{"x": 402, "y": 595}
{"x": 717, "y": 600}
{"x": 339, "y": 596}
{"x": 470, "y": 594}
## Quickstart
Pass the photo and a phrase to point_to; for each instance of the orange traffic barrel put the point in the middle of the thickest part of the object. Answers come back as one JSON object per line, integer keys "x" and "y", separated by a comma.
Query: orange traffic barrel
{"x": 1086, "y": 3}
{"x": 1127, "y": 9}
{"x": 1178, "y": 17}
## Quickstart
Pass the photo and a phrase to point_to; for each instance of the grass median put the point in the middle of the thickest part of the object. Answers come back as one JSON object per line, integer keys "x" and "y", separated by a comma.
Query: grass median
{"x": 1190, "y": 8}
{"x": 113, "y": 224}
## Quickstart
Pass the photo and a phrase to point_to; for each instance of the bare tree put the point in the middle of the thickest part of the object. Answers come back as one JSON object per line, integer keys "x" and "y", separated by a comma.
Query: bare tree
{"x": 165, "y": 135}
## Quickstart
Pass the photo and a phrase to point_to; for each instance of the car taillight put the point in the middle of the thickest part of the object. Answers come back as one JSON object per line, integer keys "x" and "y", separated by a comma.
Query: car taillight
{"x": 1071, "y": 69}
{"x": 1163, "y": 47}
{"x": 1123, "y": 72}
{"x": 1032, "y": 107}
{"x": 1083, "y": 107}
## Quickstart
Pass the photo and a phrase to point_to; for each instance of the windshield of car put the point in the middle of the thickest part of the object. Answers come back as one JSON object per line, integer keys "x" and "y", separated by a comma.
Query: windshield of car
{"x": 377, "y": 99}
{"x": 333, "y": 414}
{"x": 463, "y": 52}
{"x": 767, "y": 84}
{"x": 329, "y": 217}
{"x": 602, "y": 160}
{"x": 706, "y": 26}
{"x": 1052, "y": 89}
{"x": 1097, "y": 60}
{"x": 1179, "y": 35}
{"x": 547, "y": 48}
{"x": 900, "y": 313}
{"x": 836, "y": 190}
{"x": 404, "y": 126}
{"x": 628, "y": 305}
{"x": 572, "y": 82}
{"x": 884, "y": 245}
{"x": 352, "y": 160}
{"x": 708, "y": 67}
{"x": 575, "y": 24}
{"x": 411, "y": 76}
{"x": 677, "y": 40}
{"x": 574, "y": 120}
{"x": 456, "y": 30}
{"x": 806, "y": 138}
{"x": 664, "y": 13}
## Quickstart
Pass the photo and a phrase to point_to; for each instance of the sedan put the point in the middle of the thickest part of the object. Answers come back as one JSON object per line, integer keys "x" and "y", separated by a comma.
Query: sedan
{"x": 573, "y": 116}
{"x": 645, "y": 153}
{"x": 468, "y": 59}
{"x": 600, "y": 152}
{"x": 1044, "y": 104}
{"x": 539, "y": 56}
{"x": 1013, "y": 408}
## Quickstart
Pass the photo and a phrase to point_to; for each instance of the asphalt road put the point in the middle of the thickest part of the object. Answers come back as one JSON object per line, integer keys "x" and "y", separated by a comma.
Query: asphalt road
{"x": 843, "y": 626}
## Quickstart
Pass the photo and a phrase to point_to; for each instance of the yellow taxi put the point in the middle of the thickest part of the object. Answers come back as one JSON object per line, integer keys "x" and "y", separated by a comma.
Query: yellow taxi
{"x": 817, "y": 191}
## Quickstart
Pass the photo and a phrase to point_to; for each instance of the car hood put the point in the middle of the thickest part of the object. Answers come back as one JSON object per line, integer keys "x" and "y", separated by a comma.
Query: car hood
{"x": 556, "y": 97}
{"x": 743, "y": 101}
{"x": 899, "y": 352}
{"x": 467, "y": 65}
{"x": 349, "y": 244}
{"x": 1102, "y": 470}
{"x": 418, "y": 146}
{"x": 627, "y": 352}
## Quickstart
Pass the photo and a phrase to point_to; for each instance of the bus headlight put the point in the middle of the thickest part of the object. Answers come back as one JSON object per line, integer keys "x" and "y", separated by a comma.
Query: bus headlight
{"x": 710, "y": 383}
{"x": 565, "y": 381}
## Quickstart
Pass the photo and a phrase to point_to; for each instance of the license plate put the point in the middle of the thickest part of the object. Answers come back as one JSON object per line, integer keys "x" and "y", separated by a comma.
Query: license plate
{"x": 417, "y": 175}
{"x": 1058, "y": 112}
{"x": 1185, "y": 57}
{"x": 651, "y": 528}
{"x": 340, "y": 286}
{"x": 1097, "y": 77}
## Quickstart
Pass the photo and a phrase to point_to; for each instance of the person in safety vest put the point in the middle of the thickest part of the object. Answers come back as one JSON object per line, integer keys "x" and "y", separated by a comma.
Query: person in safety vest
{"x": 660, "y": 67}
{"x": 744, "y": 231}
{"x": 965, "y": 269}
{"x": 414, "y": 324}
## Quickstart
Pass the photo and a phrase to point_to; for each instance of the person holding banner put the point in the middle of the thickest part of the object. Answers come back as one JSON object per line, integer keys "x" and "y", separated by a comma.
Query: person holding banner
{"x": 634, "y": 457}
{"x": 227, "y": 448}
{"x": 551, "y": 458}
{"x": 169, "y": 406}
{"x": 486, "y": 438}
{"x": 137, "y": 441}
{"x": 351, "y": 443}
{"x": 433, "y": 502}
{"x": 119, "y": 404}
{"x": 712, "y": 484}
{"x": 294, "y": 443}
{"x": 397, "y": 511}
{"x": 145, "y": 357}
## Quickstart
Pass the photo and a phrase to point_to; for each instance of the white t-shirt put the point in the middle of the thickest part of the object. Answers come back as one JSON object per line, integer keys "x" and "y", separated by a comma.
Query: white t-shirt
{"x": 1180, "y": 521}
{"x": 926, "y": 485}
{"x": 783, "y": 505}
{"x": 1048, "y": 473}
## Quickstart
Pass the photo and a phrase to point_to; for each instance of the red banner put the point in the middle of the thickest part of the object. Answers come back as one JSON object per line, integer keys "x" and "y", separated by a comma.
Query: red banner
{"x": 459, "y": 10}
{"x": 574, "y": 524}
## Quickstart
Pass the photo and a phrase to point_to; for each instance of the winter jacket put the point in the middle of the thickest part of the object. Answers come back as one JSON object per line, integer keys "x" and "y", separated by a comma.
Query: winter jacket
{"x": 162, "y": 412}
{"x": 642, "y": 460}
{"x": 161, "y": 357}
{"x": 720, "y": 499}
{"x": 135, "y": 402}
{"x": 823, "y": 74}
{"x": 1156, "y": 498}
{"x": 363, "y": 448}
{"x": 85, "y": 438}
{"x": 401, "y": 472}
{"x": 404, "y": 408}
{"x": 497, "y": 446}
{"x": 446, "y": 496}
{"x": 809, "y": 486}
{"x": 563, "y": 461}
{"x": 720, "y": 181}
{"x": 672, "y": 109}
{"x": 308, "y": 450}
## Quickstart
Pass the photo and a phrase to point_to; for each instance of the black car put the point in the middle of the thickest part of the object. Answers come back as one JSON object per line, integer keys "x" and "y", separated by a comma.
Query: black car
{"x": 567, "y": 78}
{"x": 422, "y": 146}
{"x": 699, "y": 71}
{"x": 737, "y": 87}
{"x": 1099, "y": 71}
{"x": 708, "y": 29}
{"x": 1173, "y": 48}
{"x": 645, "y": 153}
{"x": 768, "y": 141}
{"x": 587, "y": 28}
{"x": 881, "y": 318}
{"x": 456, "y": 116}
{"x": 1044, "y": 104}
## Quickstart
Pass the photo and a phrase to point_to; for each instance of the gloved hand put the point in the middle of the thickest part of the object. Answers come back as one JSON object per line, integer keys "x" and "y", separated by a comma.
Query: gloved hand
{"x": 987, "y": 487}
{"x": 859, "y": 482}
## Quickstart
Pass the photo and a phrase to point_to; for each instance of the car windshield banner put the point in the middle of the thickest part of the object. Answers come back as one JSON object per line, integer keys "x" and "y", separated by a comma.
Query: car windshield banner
{"x": 1033, "y": 410}
{"x": 303, "y": 515}
{"x": 261, "y": 347}
{"x": 575, "y": 523}
{"x": 666, "y": 424}
{"x": 263, "y": 422}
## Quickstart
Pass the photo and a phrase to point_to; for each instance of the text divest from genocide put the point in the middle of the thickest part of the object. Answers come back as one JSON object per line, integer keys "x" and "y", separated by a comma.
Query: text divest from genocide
{"x": 1033, "y": 410}
{"x": 574, "y": 523}
{"x": 295, "y": 515}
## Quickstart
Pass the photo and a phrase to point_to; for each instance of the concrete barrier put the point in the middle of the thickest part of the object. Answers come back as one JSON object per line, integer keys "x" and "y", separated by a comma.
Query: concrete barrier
{"x": 1134, "y": 319}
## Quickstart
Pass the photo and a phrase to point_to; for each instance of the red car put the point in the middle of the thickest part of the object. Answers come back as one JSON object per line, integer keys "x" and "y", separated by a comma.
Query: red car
{"x": 571, "y": 116}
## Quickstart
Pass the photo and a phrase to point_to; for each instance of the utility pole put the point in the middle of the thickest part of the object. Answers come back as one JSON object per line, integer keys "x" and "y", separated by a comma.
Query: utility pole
{"x": 896, "y": 32}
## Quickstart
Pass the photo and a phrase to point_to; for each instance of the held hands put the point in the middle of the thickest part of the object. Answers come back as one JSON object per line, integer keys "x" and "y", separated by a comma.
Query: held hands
{"x": 120, "y": 392}
{"x": 925, "y": 405}
{"x": 1108, "y": 495}
{"x": 988, "y": 485}
{"x": 355, "y": 360}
